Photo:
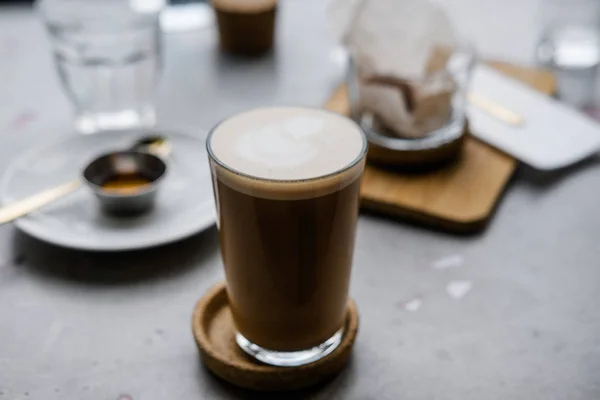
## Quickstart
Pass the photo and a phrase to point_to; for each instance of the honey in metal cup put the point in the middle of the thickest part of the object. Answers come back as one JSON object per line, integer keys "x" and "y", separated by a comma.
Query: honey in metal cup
{"x": 125, "y": 182}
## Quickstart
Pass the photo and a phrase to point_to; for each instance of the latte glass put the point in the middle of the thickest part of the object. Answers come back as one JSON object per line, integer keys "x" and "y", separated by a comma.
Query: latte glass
{"x": 286, "y": 182}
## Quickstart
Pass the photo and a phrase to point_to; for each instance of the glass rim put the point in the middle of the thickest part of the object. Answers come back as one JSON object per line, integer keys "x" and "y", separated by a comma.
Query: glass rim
{"x": 52, "y": 13}
{"x": 361, "y": 155}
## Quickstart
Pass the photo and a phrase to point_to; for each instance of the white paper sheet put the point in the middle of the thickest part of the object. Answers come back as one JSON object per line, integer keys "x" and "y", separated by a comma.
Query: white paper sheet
{"x": 553, "y": 134}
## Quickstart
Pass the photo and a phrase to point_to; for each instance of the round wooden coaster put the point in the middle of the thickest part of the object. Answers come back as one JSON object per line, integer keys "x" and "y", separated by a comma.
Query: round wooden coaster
{"x": 214, "y": 332}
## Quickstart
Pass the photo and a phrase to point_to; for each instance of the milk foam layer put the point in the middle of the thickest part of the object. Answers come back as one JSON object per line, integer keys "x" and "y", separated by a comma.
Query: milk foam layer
{"x": 287, "y": 143}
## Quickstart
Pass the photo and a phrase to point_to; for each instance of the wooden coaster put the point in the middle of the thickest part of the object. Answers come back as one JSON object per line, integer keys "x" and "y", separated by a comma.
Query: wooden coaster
{"x": 214, "y": 332}
{"x": 246, "y": 27}
{"x": 460, "y": 197}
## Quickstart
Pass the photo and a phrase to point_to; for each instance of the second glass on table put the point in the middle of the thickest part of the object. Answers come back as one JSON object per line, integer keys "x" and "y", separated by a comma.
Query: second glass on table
{"x": 570, "y": 46}
{"x": 286, "y": 183}
{"x": 414, "y": 122}
{"x": 108, "y": 57}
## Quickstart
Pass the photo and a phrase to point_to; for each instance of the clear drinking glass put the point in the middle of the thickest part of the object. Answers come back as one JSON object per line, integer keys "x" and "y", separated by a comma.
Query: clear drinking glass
{"x": 570, "y": 46}
{"x": 108, "y": 57}
{"x": 434, "y": 127}
{"x": 286, "y": 182}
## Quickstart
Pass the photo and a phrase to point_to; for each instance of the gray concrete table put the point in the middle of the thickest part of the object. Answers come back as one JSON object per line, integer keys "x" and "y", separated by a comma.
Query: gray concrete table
{"x": 76, "y": 325}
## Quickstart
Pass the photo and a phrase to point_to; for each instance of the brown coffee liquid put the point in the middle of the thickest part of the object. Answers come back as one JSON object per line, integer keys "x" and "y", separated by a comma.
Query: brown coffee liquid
{"x": 287, "y": 251}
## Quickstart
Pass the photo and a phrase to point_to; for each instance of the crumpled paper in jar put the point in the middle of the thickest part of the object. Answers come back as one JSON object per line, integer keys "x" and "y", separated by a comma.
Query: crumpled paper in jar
{"x": 400, "y": 49}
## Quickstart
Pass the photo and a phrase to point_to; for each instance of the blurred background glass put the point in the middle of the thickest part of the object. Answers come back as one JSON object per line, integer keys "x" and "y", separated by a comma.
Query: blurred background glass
{"x": 435, "y": 126}
{"x": 570, "y": 45}
{"x": 108, "y": 57}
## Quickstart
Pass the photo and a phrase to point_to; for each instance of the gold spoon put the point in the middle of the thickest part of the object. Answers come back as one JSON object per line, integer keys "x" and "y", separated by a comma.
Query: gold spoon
{"x": 157, "y": 145}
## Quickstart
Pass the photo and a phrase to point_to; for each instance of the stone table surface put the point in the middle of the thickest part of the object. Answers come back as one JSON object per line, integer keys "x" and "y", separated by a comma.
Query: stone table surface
{"x": 77, "y": 325}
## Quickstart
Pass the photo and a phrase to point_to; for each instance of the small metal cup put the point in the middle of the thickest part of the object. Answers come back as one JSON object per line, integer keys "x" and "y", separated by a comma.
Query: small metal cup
{"x": 116, "y": 163}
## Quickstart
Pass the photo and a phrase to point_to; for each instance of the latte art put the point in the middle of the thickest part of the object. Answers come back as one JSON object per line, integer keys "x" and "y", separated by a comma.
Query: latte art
{"x": 287, "y": 143}
{"x": 303, "y": 127}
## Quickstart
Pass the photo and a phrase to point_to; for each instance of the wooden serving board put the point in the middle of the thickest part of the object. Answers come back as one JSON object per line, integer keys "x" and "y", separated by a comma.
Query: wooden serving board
{"x": 460, "y": 197}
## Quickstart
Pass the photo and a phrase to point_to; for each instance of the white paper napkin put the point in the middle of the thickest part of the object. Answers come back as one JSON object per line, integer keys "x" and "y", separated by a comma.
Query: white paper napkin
{"x": 553, "y": 135}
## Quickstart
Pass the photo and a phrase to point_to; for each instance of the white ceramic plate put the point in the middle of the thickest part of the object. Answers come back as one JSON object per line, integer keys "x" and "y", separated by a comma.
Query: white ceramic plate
{"x": 184, "y": 205}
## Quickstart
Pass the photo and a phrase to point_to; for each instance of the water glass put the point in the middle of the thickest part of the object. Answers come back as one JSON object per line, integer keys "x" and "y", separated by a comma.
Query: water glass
{"x": 570, "y": 45}
{"x": 108, "y": 58}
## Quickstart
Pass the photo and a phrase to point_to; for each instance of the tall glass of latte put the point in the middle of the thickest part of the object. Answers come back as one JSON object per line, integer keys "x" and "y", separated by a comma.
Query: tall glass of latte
{"x": 286, "y": 182}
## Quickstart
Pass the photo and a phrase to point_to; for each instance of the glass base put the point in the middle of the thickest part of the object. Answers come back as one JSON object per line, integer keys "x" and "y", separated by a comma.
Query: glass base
{"x": 290, "y": 358}
{"x": 88, "y": 123}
